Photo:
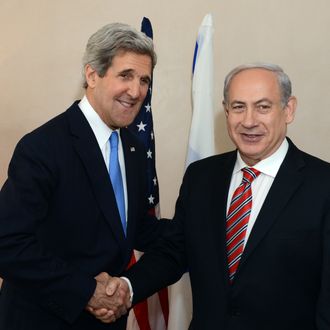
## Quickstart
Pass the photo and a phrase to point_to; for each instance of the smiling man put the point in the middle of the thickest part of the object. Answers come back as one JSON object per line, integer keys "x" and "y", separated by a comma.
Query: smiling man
{"x": 257, "y": 114}
{"x": 73, "y": 206}
{"x": 251, "y": 225}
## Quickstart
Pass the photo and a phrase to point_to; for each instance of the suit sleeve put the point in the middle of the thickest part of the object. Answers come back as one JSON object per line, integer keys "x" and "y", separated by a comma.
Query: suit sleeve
{"x": 323, "y": 306}
{"x": 166, "y": 261}
{"x": 25, "y": 200}
{"x": 148, "y": 228}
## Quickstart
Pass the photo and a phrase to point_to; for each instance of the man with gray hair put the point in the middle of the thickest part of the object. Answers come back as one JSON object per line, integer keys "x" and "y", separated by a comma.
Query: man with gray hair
{"x": 73, "y": 207}
{"x": 251, "y": 225}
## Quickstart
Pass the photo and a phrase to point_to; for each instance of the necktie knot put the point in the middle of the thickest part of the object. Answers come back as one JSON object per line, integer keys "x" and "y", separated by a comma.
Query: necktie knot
{"x": 249, "y": 174}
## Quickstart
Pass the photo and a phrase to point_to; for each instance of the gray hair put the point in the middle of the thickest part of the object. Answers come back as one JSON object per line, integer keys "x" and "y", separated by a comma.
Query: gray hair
{"x": 111, "y": 39}
{"x": 282, "y": 78}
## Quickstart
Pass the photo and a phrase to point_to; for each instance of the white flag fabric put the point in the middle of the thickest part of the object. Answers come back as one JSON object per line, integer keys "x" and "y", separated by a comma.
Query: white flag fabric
{"x": 201, "y": 145}
{"x": 201, "y": 138}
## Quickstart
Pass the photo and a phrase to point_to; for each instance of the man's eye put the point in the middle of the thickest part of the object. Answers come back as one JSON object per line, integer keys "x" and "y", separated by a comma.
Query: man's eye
{"x": 145, "y": 81}
{"x": 126, "y": 75}
{"x": 238, "y": 108}
{"x": 263, "y": 107}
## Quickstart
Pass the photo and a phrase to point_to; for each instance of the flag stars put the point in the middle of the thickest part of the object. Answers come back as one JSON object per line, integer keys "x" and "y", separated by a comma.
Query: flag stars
{"x": 155, "y": 181}
{"x": 141, "y": 126}
{"x": 148, "y": 107}
{"x": 149, "y": 154}
{"x": 151, "y": 199}
{"x": 152, "y": 135}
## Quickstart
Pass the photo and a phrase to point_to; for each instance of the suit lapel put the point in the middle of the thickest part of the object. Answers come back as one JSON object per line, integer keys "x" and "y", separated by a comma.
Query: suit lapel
{"x": 286, "y": 182}
{"x": 219, "y": 196}
{"x": 130, "y": 155}
{"x": 89, "y": 152}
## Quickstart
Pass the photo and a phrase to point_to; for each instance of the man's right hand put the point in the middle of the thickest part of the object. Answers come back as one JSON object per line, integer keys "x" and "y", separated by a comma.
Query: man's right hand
{"x": 111, "y": 298}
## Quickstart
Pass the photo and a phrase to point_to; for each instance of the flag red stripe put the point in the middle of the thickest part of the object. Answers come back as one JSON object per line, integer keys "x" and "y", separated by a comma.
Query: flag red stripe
{"x": 163, "y": 299}
{"x": 140, "y": 309}
{"x": 141, "y": 315}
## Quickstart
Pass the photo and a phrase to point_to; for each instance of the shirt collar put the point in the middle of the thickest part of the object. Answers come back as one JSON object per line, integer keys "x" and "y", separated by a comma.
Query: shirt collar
{"x": 101, "y": 131}
{"x": 269, "y": 165}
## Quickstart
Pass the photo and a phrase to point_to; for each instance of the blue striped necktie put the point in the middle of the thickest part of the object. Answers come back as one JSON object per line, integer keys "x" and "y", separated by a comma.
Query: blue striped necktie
{"x": 116, "y": 178}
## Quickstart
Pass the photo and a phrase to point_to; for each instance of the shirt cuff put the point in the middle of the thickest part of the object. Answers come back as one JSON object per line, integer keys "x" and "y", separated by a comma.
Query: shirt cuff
{"x": 129, "y": 286}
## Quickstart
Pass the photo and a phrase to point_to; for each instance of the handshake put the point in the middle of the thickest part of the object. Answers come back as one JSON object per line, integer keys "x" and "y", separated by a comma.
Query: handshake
{"x": 111, "y": 298}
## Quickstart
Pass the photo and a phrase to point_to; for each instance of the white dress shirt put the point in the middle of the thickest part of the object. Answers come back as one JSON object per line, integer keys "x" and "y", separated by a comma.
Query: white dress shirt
{"x": 102, "y": 133}
{"x": 261, "y": 185}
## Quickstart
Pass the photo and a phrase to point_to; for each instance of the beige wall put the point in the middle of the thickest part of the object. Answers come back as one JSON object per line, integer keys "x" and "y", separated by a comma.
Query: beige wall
{"x": 42, "y": 44}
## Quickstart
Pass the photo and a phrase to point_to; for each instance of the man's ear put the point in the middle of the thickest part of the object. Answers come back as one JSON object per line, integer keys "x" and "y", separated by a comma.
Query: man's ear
{"x": 225, "y": 108}
{"x": 90, "y": 75}
{"x": 291, "y": 109}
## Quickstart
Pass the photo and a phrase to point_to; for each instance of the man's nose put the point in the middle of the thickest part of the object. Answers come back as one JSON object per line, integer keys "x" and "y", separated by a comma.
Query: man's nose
{"x": 249, "y": 118}
{"x": 134, "y": 89}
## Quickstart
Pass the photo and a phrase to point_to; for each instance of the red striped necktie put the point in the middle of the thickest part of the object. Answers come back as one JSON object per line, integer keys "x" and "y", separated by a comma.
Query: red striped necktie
{"x": 238, "y": 218}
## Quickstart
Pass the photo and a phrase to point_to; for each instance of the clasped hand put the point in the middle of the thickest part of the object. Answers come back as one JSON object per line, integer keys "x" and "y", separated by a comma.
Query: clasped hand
{"x": 111, "y": 298}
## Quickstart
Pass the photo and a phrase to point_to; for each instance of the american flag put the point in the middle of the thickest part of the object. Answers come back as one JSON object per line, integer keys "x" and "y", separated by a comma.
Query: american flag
{"x": 151, "y": 314}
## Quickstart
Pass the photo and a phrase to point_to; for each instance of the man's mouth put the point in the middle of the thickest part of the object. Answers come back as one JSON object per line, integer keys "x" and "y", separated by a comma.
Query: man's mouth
{"x": 251, "y": 137}
{"x": 127, "y": 104}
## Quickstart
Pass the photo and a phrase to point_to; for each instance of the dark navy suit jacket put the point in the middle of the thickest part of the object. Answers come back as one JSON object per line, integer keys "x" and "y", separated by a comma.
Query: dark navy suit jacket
{"x": 283, "y": 280}
{"x": 60, "y": 227}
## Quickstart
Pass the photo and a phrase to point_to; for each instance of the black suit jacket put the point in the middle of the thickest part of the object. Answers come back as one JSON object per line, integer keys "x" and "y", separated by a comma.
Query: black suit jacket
{"x": 283, "y": 280}
{"x": 60, "y": 227}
